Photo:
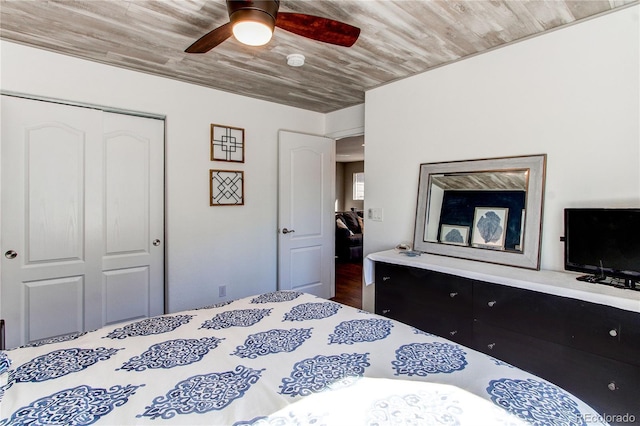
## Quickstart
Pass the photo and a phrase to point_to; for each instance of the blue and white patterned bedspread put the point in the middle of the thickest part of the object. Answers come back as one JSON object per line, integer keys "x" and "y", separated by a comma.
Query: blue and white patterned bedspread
{"x": 278, "y": 358}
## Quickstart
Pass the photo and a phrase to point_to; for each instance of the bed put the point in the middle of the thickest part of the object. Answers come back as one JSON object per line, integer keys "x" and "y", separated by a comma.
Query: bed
{"x": 273, "y": 359}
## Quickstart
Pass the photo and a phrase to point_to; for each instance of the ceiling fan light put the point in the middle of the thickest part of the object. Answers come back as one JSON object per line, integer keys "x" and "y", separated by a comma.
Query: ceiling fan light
{"x": 252, "y": 26}
{"x": 252, "y": 33}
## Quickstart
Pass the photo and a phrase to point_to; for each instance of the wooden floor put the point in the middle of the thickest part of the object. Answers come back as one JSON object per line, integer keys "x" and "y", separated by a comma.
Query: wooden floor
{"x": 349, "y": 283}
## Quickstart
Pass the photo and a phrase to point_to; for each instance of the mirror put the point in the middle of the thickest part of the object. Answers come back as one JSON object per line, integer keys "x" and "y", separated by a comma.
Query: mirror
{"x": 488, "y": 210}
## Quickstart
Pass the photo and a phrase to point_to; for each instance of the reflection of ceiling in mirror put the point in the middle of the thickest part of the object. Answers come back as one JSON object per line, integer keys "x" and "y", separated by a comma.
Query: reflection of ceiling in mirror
{"x": 350, "y": 149}
{"x": 502, "y": 180}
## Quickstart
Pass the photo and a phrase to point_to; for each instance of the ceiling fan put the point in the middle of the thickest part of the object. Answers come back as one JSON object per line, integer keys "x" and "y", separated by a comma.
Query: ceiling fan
{"x": 253, "y": 22}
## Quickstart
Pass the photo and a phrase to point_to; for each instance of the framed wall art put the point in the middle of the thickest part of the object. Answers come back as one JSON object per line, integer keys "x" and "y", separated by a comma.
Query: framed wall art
{"x": 226, "y": 187}
{"x": 227, "y": 143}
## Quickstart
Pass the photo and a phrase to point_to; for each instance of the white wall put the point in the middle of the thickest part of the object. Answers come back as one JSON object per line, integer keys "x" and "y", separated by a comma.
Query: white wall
{"x": 572, "y": 94}
{"x": 345, "y": 122}
{"x": 205, "y": 246}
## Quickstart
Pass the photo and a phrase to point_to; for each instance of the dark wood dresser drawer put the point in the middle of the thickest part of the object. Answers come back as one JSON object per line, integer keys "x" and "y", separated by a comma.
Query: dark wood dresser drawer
{"x": 451, "y": 327}
{"x": 525, "y": 352}
{"x": 428, "y": 289}
{"x": 606, "y": 331}
{"x": 522, "y": 311}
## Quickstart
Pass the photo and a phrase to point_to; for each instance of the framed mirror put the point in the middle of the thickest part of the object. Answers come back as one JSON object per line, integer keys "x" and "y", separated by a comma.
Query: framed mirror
{"x": 488, "y": 210}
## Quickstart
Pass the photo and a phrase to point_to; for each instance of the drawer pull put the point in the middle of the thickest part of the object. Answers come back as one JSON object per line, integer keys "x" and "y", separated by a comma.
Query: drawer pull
{"x": 386, "y": 311}
{"x": 493, "y": 302}
{"x": 453, "y": 333}
{"x": 453, "y": 294}
{"x": 612, "y": 386}
{"x": 491, "y": 345}
{"x": 386, "y": 278}
{"x": 613, "y": 332}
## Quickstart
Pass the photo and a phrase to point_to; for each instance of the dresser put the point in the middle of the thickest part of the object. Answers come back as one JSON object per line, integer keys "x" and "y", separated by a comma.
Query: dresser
{"x": 583, "y": 337}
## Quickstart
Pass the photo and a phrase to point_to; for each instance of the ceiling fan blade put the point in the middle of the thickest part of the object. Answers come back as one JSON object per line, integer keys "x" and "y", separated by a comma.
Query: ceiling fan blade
{"x": 317, "y": 28}
{"x": 211, "y": 39}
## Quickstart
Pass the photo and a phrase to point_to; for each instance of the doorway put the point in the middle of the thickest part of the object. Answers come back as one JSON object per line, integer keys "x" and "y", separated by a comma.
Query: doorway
{"x": 349, "y": 206}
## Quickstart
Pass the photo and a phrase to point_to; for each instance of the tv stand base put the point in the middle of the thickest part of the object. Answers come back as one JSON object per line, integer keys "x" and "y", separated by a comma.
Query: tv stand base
{"x": 591, "y": 278}
{"x": 614, "y": 282}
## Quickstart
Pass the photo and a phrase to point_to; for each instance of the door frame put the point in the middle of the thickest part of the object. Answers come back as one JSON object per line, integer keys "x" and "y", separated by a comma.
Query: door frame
{"x": 341, "y": 134}
{"x": 85, "y": 105}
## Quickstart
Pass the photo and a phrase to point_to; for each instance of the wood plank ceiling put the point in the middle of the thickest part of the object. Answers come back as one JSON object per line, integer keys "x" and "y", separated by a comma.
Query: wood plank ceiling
{"x": 398, "y": 39}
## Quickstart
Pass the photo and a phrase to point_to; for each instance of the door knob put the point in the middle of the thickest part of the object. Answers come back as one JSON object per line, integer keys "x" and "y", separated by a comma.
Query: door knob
{"x": 11, "y": 254}
{"x": 156, "y": 242}
{"x": 287, "y": 231}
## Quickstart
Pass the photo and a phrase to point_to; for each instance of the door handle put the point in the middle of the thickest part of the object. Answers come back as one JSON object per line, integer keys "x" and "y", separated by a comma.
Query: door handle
{"x": 287, "y": 231}
{"x": 156, "y": 242}
{"x": 11, "y": 254}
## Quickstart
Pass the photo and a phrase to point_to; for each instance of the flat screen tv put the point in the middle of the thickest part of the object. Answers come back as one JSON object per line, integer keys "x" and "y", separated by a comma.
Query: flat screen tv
{"x": 604, "y": 243}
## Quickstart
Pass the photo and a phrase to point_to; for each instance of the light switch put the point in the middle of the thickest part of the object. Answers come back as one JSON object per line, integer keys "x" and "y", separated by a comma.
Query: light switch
{"x": 375, "y": 214}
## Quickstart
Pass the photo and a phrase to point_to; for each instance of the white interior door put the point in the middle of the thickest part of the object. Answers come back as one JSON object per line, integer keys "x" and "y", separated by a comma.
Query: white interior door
{"x": 133, "y": 254}
{"x": 306, "y": 230}
{"x": 76, "y": 203}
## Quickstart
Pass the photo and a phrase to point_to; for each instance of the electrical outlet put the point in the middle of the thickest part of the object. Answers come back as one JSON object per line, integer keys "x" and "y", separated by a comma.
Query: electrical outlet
{"x": 222, "y": 291}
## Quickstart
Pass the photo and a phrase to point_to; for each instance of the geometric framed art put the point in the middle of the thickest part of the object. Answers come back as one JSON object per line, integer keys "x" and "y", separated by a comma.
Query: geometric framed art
{"x": 227, "y": 143}
{"x": 226, "y": 188}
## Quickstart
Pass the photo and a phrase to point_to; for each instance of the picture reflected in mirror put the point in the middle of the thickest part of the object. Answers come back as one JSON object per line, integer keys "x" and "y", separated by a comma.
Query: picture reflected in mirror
{"x": 481, "y": 209}
{"x": 488, "y": 210}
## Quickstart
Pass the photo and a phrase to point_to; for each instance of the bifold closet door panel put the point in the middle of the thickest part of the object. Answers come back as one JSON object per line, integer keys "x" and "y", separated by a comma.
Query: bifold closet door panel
{"x": 49, "y": 183}
{"x": 133, "y": 210}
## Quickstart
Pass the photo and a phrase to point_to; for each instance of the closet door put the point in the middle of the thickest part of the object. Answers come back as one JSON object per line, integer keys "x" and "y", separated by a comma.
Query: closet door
{"x": 133, "y": 248}
{"x": 65, "y": 209}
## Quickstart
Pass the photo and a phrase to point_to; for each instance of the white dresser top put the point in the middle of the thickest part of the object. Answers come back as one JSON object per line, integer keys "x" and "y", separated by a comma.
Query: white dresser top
{"x": 551, "y": 282}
